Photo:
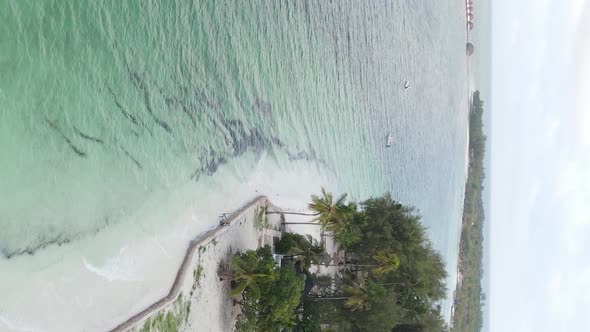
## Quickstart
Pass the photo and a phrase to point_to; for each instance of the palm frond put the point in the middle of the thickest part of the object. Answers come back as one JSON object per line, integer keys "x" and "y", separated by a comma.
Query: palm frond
{"x": 254, "y": 289}
{"x": 340, "y": 200}
{"x": 238, "y": 288}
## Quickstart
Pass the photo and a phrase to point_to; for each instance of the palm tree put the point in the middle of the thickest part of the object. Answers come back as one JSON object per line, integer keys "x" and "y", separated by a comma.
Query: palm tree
{"x": 330, "y": 212}
{"x": 307, "y": 248}
{"x": 326, "y": 298}
{"x": 358, "y": 296}
{"x": 246, "y": 271}
{"x": 347, "y": 231}
{"x": 294, "y": 213}
{"x": 386, "y": 262}
{"x": 246, "y": 280}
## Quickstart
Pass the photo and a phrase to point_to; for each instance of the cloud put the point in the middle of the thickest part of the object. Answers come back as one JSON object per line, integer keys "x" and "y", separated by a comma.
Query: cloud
{"x": 581, "y": 70}
{"x": 516, "y": 28}
{"x": 553, "y": 125}
{"x": 540, "y": 218}
{"x": 576, "y": 54}
{"x": 574, "y": 188}
{"x": 576, "y": 15}
{"x": 576, "y": 11}
{"x": 565, "y": 292}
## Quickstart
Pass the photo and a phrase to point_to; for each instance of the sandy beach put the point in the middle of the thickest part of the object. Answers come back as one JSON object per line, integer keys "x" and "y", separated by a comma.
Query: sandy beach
{"x": 459, "y": 276}
{"x": 98, "y": 283}
{"x": 199, "y": 298}
{"x": 205, "y": 300}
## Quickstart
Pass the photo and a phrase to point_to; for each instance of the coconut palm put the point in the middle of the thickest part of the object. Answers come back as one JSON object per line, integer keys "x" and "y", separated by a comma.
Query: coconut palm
{"x": 247, "y": 270}
{"x": 386, "y": 262}
{"x": 358, "y": 296}
{"x": 346, "y": 231}
{"x": 307, "y": 248}
{"x": 334, "y": 216}
{"x": 330, "y": 212}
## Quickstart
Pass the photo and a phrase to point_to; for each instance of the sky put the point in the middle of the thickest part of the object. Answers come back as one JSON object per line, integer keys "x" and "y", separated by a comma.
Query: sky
{"x": 540, "y": 166}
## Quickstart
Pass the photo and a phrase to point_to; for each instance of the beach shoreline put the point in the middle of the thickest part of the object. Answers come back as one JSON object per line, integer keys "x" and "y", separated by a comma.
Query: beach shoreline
{"x": 98, "y": 283}
{"x": 459, "y": 278}
{"x": 222, "y": 237}
{"x": 466, "y": 313}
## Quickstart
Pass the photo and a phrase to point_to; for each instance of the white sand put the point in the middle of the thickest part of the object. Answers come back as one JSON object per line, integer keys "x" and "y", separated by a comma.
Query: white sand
{"x": 212, "y": 308}
{"x": 94, "y": 284}
{"x": 211, "y": 305}
{"x": 459, "y": 277}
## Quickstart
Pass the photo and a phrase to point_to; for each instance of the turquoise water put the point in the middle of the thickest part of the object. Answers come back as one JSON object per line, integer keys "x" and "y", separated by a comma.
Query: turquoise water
{"x": 114, "y": 114}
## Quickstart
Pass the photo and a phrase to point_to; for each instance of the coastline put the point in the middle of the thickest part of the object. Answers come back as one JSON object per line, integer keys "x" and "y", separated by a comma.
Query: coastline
{"x": 468, "y": 296}
{"x": 459, "y": 279}
{"x": 96, "y": 284}
{"x": 242, "y": 221}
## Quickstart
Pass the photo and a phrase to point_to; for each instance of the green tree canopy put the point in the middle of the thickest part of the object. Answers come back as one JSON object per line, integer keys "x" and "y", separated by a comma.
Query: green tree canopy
{"x": 249, "y": 269}
{"x": 307, "y": 248}
{"x": 396, "y": 278}
{"x": 269, "y": 294}
{"x": 330, "y": 212}
{"x": 393, "y": 229}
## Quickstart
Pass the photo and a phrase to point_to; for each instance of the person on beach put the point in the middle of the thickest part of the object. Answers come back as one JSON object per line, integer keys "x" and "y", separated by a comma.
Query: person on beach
{"x": 223, "y": 220}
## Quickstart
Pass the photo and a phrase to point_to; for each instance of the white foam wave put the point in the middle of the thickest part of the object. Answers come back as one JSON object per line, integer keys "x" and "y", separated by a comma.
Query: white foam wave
{"x": 16, "y": 326}
{"x": 116, "y": 268}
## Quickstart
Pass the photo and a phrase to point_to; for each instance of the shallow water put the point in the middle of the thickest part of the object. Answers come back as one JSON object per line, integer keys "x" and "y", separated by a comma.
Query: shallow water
{"x": 124, "y": 122}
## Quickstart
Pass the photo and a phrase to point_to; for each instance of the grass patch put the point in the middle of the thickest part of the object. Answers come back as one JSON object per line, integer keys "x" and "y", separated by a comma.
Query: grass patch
{"x": 197, "y": 275}
{"x": 261, "y": 219}
{"x": 169, "y": 321}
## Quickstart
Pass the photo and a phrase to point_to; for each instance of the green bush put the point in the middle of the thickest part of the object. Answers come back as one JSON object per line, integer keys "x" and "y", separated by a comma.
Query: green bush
{"x": 285, "y": 243}
{"x": 269, "y": 303}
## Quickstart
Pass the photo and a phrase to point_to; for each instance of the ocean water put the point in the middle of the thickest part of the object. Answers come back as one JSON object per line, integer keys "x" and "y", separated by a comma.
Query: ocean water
{"x": 126, "y": 127}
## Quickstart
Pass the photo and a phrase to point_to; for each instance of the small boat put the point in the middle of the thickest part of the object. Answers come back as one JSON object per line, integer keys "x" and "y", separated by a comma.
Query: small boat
{"x": 407, "y": 84}
{"x": 389, "y": 140}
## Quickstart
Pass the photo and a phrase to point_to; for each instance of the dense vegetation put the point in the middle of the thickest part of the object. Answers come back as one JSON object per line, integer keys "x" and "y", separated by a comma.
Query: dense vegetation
{"x": 392, "y": 278}
{"x": 269, "y": 294}
{"x": 469, "y": 296}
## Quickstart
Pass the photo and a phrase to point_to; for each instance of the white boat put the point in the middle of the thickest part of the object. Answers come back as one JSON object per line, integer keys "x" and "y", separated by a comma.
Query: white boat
{"x": 407, "y": 84}
{"x": 389, "y": 140}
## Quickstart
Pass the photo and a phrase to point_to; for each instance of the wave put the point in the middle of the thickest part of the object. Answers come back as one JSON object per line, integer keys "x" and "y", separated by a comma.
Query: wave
{"x": 17, "y": 327}
{"x": 115, "y": 268}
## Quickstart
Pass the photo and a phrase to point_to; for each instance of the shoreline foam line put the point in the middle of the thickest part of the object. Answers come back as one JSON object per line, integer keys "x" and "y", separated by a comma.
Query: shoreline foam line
{"x": 188, "y": 256}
